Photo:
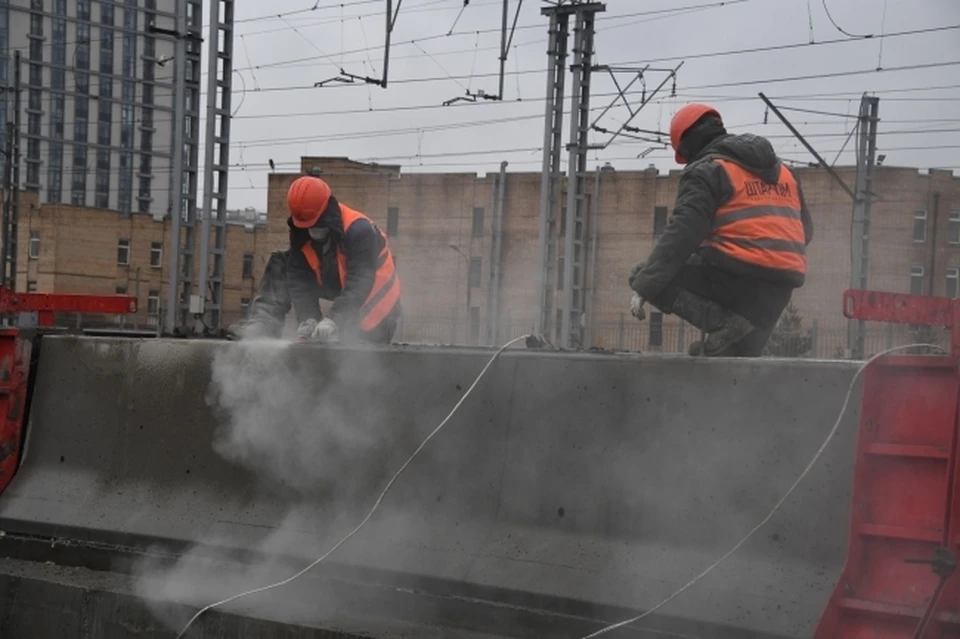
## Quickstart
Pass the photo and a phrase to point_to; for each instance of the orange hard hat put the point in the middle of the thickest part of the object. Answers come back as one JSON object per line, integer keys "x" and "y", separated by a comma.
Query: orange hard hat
{"x": 683, "y": 120}
{"x": 307, "y": 199}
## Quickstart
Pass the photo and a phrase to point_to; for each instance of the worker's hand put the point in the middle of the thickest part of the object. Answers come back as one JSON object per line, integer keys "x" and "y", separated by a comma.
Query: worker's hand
{"x": 635, "y": 271}
{"x": 636, "y": 307}
{"x": 325, "y": 331}
{"x": 306, "y": 328}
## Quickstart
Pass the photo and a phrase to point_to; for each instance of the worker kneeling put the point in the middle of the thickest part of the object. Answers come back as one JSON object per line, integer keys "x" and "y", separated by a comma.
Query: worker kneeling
{"x": 734, "y": 248}
{"x": 336, "y": 253}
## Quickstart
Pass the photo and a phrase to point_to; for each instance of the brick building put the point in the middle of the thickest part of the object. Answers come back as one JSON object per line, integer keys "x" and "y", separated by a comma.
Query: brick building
{"x": 440, "y": 228}
{"x": 72, "y": 249}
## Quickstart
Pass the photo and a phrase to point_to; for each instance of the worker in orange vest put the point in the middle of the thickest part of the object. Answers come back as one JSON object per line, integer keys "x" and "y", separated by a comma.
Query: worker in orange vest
{"x": 338, "y": 254}
{"x": 734, "y": 248}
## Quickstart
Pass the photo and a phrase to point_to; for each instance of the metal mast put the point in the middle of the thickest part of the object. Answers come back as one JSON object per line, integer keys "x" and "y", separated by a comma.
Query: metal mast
{"x": 571, "y": 328}
{"x": 216, "y": 163}
{"x": 552, "y": 141}
{"x": 573, "y": 271}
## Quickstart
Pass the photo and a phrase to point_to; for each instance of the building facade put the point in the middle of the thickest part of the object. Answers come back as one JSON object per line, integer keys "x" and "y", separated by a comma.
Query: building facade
{"x": 442, "y": 233}
{"x": 97, "y": 100}
{"x": 440, "y": 227}
{"x": 73, "y": 249}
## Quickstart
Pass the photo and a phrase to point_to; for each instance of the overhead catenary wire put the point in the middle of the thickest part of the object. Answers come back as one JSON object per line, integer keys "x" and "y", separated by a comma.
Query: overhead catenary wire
{"x": 733, "y": 83}
{"x": 376, "y": 504}
{"x": 839, "y": 28}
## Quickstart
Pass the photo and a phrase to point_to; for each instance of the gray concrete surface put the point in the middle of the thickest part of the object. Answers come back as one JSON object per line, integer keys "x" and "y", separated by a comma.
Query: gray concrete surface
{"x": 596, "y": 482}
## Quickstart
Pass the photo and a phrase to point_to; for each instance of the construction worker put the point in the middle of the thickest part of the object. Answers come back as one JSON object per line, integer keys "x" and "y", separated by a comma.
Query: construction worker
{"x": 734, "y": 248}
{"x": 338, "y": 254}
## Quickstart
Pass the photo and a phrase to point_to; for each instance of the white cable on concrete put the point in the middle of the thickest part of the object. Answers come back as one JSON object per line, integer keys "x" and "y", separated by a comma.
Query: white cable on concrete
{"x": 806, "y": 471}
{"x": 375, "y": 505}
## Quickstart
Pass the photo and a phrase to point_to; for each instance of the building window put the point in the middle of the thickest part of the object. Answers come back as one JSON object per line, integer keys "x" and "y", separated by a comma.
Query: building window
{"x": 656, "y": 329}
{"x": 474, "y": 324}
{"x": 393, "y": 221}
{"x": 33, "y": 251}
{"x": 244, "y": 306}
{"x": 659, "y": 220}
{"x": 478, "y": 221}
{"x": 156, "y": 254}
{"x": 31, "y": 286}
{"x": 153, "y": 303}
{"x": 916, "y": 280}
{"x": 123, "y": 252}
{"x": 475, "y": 267}
{"x": 920, "y": 226}
{"x": 120, "y": 290}
{"x": 953, "y": 283}
{"x": 247, "y": 265}
{"x": 953, "y": 228}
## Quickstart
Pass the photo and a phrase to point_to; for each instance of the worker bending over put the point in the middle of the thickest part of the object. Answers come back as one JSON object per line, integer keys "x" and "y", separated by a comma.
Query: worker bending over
{"x": 735, "y": 246}
{"x": 336, "y": 253}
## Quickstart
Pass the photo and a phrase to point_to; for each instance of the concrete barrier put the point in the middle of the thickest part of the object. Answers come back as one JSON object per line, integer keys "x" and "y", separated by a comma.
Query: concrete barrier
{"x": 585, "y": 485}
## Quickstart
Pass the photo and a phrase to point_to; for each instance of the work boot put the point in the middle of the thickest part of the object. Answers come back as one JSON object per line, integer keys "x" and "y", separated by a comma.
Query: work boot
{"x": 723, "y": 328}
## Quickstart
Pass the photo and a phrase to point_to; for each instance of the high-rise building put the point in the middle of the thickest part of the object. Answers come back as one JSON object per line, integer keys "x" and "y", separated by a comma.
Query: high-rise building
{"x": 98, "y": 100}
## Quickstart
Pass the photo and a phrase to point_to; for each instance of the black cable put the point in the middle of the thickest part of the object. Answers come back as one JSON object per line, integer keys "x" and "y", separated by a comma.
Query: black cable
{"x": 315, "y": 7}
{"x": 839, "y": 28}
{"x": 738, "y": 83}
{"x": 440, "y": 36}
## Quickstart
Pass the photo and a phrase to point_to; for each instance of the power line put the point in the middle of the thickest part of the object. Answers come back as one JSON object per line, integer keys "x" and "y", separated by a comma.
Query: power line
{"x": 737, "y": 83}
{"x": 315, "y": 7}
{"x": 841, "y": 30}
{"x": 474, "y": 32}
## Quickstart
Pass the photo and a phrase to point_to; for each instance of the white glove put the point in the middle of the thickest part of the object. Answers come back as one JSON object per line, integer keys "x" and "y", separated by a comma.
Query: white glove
{"x": 325, "y": 331}
{"x": 306, "y": 328}
{"x": 636, "y": 307}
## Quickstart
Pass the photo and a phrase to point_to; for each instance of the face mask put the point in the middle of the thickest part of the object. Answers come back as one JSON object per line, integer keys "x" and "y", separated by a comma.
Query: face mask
{"x": 319, "y": 234}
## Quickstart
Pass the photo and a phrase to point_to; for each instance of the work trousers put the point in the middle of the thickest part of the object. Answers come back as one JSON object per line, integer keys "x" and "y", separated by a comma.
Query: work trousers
{"x": 759, "y": 301}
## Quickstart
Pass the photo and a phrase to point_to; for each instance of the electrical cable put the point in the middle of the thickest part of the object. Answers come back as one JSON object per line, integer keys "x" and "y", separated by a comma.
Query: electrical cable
{"x": 838, "y": 28}
{"x": 376, "y": 504}
{"x": 776, "y": 507}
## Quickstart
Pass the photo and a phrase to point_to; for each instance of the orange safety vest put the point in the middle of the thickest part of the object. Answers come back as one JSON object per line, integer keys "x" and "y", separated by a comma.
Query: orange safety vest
{"x": 385, "y": 293}
{"x": 762, "y": 223}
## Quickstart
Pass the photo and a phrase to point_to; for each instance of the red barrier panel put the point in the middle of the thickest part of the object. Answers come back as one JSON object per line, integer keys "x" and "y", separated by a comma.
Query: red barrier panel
{"x": 899, "y": 578}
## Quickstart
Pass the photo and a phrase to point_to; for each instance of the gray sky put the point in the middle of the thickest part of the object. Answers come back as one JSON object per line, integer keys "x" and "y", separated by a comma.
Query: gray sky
{"x": 278, "y": 58}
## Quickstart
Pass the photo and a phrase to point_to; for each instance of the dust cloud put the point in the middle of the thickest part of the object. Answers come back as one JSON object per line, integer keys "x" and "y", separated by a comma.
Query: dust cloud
{"x": 318, "y": 448}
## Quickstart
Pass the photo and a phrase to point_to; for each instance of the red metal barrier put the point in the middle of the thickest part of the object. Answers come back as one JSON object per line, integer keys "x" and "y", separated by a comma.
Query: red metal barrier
{"x": 15, "y": 355}
{"x": 14, "y": 372}
{"x": 899, "y": 579}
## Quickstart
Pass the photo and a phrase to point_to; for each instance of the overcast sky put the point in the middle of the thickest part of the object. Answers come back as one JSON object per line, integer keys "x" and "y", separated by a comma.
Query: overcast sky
{"x": 279, "y": 56}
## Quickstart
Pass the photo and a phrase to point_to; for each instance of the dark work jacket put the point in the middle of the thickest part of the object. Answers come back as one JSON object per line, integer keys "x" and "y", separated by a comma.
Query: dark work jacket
{"x": 704, "y": 188}
{"x": 361, "y": 246}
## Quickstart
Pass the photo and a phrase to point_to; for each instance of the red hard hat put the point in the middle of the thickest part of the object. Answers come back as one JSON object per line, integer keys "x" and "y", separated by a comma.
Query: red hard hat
{"x": 307, "y": 199}
{"x": 683, "y": 120}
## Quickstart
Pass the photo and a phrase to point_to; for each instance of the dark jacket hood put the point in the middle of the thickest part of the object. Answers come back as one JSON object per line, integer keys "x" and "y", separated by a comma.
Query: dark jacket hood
{"x": 752, "y": 152}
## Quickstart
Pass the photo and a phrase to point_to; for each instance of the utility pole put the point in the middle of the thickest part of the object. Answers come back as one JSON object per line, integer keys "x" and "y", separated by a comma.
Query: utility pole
{"x": 216, "y": 165}
{"x": 496, "y": 248}
{"x": 860, "y": 238}
{"x": 177, "y": 183}
{"x": 582, "y": 67}
{"x": 550, "y": 172}
{"x": 183, "y": 185}
{"x": 11, "y": 185}
{"x": 574, "y": 253}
